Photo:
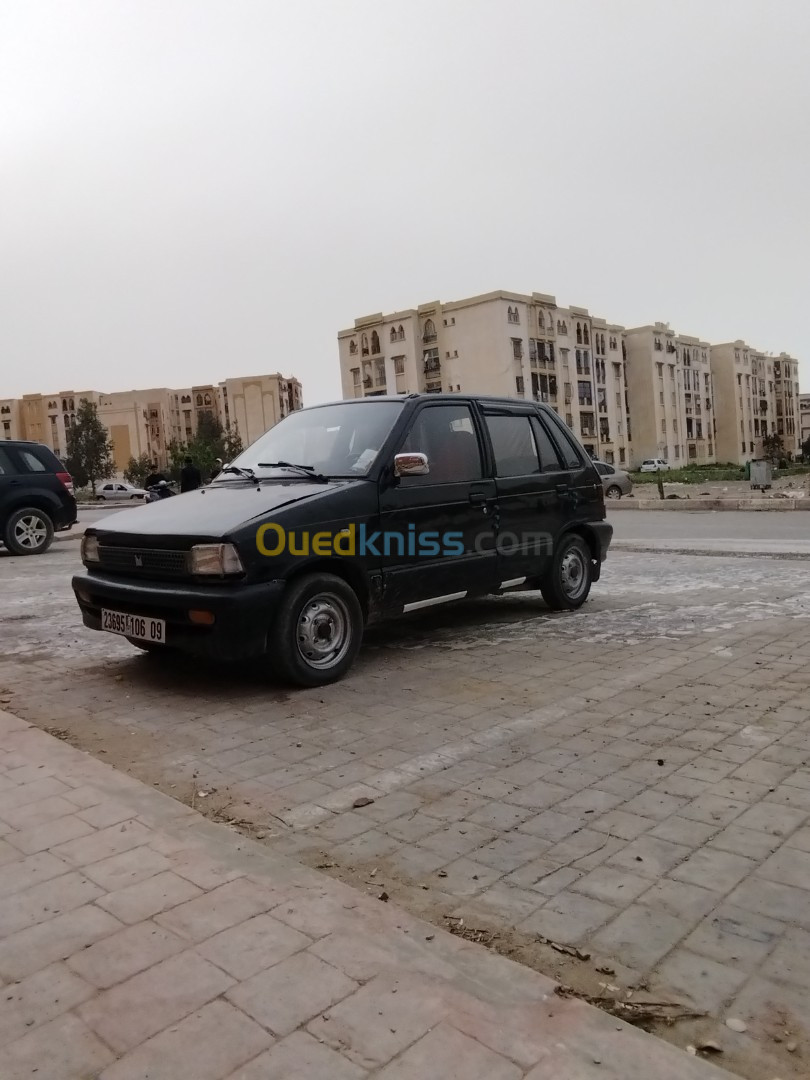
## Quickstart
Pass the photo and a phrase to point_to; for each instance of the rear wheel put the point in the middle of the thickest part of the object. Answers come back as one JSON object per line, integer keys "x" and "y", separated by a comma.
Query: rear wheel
{"x": 28, "y": 532}
{"x": 101, "y": 498}
{"x": 317, "y": 632}
{"x": 614, "y": 492}
{"x": 568, "y": 581}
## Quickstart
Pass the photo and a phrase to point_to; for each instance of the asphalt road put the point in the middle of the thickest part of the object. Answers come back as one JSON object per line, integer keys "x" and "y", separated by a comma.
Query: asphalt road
{"x": 710, "y": 525}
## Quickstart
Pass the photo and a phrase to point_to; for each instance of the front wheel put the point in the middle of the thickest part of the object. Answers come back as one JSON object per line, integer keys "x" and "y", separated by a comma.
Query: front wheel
{"x": 28, "y": 532}
{"x": 613, "y": 492}
{"x": 568, "y": 581}
{"x": 317, "y": 632}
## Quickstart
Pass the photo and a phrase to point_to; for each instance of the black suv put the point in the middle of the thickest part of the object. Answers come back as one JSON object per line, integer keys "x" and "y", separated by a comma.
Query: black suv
{"x": 36, "y": 497}
{"x": 346, "y": 513}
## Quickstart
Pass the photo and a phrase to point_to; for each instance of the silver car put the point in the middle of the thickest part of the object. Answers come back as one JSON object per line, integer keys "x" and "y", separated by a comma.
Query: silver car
{"x": 116, "y": 490}
{"x": 615, "y": 482}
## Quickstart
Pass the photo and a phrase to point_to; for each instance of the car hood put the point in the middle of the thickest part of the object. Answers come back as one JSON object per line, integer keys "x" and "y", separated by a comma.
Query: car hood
{"x": 216, "y": 511}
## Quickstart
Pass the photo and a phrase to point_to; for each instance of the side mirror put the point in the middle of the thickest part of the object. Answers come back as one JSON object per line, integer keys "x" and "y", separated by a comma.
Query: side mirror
{"x": 411, "y": 465}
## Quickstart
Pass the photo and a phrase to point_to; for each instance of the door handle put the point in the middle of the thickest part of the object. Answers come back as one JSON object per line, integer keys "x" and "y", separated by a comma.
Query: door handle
{"x": 478, "y": 498}
{"x": 563, "y": 489}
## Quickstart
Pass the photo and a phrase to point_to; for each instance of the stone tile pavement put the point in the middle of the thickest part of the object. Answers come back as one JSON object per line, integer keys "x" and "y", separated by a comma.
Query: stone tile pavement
{"x": 139, "y": 941}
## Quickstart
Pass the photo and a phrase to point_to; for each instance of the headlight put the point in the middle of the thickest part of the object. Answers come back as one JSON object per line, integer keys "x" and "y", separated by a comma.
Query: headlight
{"x": 90, "y": 549}
{"x": 215, "y": 559}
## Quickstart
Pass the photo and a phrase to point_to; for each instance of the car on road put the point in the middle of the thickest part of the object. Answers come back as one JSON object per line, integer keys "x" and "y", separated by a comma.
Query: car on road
{"x": 615, "y": 482}
{"x": 117, "y": 490}
{"x": 655, "y": 464}
{"x": 346, "y": 513}
{"x": 36, "y": 497}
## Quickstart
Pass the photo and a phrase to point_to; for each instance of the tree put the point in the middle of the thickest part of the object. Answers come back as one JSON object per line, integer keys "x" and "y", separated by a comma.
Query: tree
{"x": 210, "y": 442}
{"x": 773, "y": 448}
{"x": 138, "y": 469}
{"x": 89, "y": 448}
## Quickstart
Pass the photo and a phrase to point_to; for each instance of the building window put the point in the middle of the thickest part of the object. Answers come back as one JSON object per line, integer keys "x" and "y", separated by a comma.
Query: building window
{"x": 517, "y": 348}
{"x": 519, "y": 384}
{"x": 579, "y": 333}
{"x": 663, "y": 427}
{"x": 429, "y": 332}
{"x": 352, "y": 348}
{"x": 586, "y": 334}
{"x": 399, "y": 365}
{"x": 562, "y": 327}
{"x": 621, "y": 455}
{"x": 541, "y": 322}
{"x": 356, "y": 376}
{"x": 375, "y": 342}
{"x": 660, "y": 397}
{"x": 513, "y": 315}
{"x": 660, "y": 370}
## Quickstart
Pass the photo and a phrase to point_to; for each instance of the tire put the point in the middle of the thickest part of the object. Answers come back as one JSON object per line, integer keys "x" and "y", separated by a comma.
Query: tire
{"x": 317, "y": 631}
{"x": 28, "y": 531}
{"x": 101, "y": 498}
{"x": 568, "y": 582}
{"x": 613, "y": 492}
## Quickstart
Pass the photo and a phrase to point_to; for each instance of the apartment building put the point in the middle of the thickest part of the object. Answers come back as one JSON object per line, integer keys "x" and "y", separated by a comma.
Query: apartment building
{"x": 804, "y": 418}
{"x": 671, "y": 397}
{"x": 504, "y": 344}
{"x": 147, "y": 421}
{"x": 757, "y": 395}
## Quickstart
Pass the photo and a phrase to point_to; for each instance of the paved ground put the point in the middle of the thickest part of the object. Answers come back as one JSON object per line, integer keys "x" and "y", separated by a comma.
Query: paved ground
{"x": 632, "y": 780}
{"x": 140, "y": 942}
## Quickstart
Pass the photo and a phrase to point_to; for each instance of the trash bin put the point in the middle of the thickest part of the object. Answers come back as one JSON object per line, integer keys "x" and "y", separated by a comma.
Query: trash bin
{"x": 761, "y": 475}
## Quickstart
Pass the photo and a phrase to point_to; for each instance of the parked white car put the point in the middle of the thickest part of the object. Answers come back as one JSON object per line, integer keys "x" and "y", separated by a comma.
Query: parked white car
{"x": 116, "y": 491}
{"x": 655, "y": 464}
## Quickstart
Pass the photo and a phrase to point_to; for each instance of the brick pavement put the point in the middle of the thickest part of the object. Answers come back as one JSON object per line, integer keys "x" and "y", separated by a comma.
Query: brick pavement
{"x": 632, "y": 779}
{"x": 139, "y": 941}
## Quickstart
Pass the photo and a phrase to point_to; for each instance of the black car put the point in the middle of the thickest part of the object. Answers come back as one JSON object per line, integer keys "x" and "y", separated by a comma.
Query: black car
{"x": 36, "y": 497}
{"x": 347, "y": 513}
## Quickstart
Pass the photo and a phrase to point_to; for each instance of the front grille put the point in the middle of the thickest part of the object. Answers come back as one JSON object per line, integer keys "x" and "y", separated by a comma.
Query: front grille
{"x": 146, "y": 562}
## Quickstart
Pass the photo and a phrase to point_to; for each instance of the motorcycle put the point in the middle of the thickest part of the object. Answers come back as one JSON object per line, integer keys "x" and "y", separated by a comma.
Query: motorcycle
{"x": 158, "y": 492}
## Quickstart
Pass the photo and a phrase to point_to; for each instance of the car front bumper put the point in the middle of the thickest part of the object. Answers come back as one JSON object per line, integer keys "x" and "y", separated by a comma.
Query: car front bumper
{"x": 242, "y": 613}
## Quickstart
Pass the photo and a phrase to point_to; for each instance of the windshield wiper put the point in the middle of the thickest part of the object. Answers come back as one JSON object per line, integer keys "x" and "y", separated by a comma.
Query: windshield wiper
{"x": 307, "y": 470}
{"x": 248, "y": 473}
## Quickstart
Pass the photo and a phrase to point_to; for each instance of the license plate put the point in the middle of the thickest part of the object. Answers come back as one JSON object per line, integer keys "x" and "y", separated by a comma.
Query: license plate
{"x": 135, "y": 626}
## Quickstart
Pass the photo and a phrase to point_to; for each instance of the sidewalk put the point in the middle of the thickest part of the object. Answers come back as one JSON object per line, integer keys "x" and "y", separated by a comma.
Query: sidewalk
{"x": 772, "y": 549}
{"x": 139, "y": 941}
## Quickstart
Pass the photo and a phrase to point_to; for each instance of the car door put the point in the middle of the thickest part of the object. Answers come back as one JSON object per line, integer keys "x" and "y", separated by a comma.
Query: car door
{"x": 437, "y": 539}
{"x": 580, "y": 485}
{"x": 528, "y": 477}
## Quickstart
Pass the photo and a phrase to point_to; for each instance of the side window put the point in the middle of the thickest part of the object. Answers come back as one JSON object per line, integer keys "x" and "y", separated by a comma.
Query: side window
{"x": 513, "y": 445}
{"x": 446, "y": 434}
{"x": 31, "y": 462}
{"x": 569, "y": 453}
{"x": 549, "y": 458}
{"x": 6, "y": 464}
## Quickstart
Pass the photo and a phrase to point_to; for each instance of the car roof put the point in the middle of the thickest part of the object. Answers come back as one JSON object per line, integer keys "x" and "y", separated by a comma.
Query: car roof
{"x": 485, "y": 399}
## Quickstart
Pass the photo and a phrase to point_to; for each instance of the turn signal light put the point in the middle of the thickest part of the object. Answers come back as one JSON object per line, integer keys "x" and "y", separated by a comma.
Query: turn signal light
{"x": 201, "y": 618}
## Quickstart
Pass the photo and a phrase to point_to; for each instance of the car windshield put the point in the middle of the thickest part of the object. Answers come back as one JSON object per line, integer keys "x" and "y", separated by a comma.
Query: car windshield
{"x": 332, "y": 440}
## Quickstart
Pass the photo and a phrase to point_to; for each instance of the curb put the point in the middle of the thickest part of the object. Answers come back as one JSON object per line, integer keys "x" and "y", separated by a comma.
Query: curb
{"x": 689, "y": 504}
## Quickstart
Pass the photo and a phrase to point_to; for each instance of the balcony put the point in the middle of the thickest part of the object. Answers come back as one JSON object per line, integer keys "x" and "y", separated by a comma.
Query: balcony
{"x": 428, "y": 338}
{"x": 433, "y": 368}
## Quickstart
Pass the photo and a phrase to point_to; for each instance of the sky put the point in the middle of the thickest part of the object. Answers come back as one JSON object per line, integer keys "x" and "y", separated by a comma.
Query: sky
{"x": 192, "y": 190}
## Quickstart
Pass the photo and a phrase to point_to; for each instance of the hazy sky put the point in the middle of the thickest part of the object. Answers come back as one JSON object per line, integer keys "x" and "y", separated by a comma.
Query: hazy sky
{"x": 197, "y": 189}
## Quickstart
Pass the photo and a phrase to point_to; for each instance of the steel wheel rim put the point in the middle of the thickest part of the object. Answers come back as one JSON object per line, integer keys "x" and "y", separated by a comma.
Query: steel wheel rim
{"x": 323, "y": 633}
{"x": 30, "y": 531}
{"x": 614, "y": 492}
{"x": 573, "y": 573}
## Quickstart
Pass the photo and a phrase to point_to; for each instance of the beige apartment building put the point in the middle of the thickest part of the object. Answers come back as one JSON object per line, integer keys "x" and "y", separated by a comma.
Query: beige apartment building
{"x": 804, "y": 417}
{"x": 500, "y": 343}
{"x": 757, "y": 396}
{"x": 147, "y": 421}
{"x": 671, "y": 397}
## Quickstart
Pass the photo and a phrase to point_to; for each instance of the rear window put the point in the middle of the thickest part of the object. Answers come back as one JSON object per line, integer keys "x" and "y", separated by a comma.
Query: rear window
{"x": 513, "y": 445}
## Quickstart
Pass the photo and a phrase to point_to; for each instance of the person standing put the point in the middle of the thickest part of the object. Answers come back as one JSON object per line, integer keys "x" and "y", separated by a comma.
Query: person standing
{"x": 154, "y": 478}
{"x": 190, "y": 477}
{"x": 217, "y": 469}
